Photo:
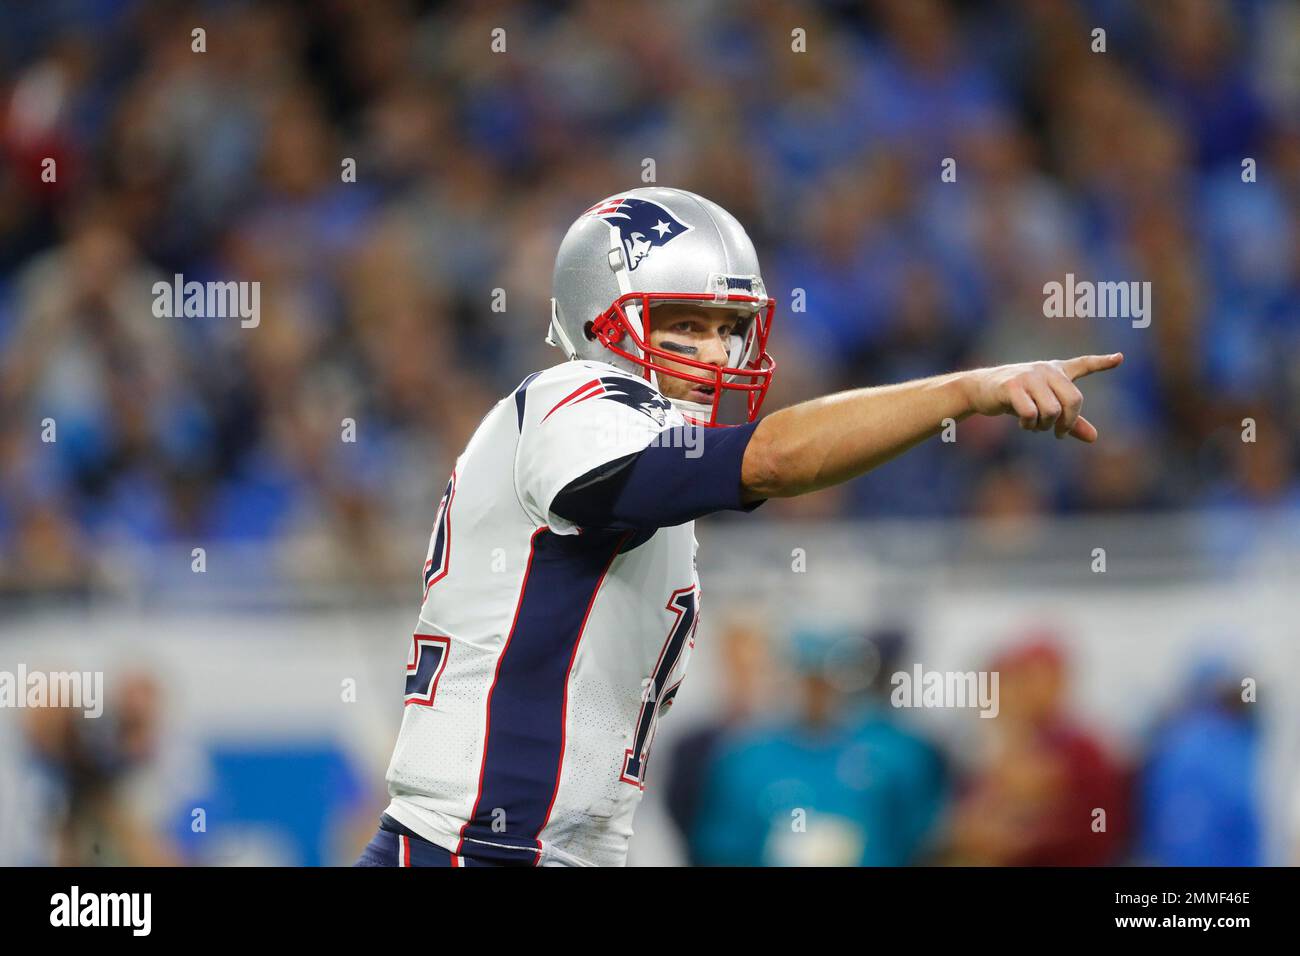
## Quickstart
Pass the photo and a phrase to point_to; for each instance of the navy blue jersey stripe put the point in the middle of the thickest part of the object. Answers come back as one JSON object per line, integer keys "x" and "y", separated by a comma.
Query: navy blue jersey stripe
{"x": 686, "y": 473}
{"x": 520, "y": 396}
{"x": 524, "y": 744}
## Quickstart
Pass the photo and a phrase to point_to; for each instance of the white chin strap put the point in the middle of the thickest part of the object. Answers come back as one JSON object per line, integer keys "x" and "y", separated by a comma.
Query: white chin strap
{"x": 693, "y": 410}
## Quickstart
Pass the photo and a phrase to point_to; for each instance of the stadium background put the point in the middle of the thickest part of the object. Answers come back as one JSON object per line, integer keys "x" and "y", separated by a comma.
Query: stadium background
{"x": 229, "y": 690}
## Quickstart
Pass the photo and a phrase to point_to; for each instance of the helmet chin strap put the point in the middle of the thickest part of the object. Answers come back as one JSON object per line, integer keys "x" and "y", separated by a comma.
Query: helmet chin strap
{"x": 693, "y": 410}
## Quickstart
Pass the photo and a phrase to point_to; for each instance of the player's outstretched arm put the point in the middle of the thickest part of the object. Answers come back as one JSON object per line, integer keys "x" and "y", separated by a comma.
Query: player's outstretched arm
{"x": 837, "y": 437}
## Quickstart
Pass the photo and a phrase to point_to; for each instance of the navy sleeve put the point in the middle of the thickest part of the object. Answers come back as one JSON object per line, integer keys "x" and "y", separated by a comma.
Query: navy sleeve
{"x": 688, "y": 472}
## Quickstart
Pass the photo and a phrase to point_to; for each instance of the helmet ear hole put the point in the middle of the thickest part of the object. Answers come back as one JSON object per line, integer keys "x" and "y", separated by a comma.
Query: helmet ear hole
{"x": 589, "y": 330}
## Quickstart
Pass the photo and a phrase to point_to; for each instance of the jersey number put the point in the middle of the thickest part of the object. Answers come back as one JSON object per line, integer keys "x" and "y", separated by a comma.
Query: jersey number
{"x": 425, "y": 664}
{"x": 439, "y": 560}
{"x": 654, "y": 701}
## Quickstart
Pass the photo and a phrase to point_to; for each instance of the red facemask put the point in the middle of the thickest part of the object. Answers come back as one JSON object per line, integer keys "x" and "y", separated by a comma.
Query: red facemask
{"x": 751, "y": 377}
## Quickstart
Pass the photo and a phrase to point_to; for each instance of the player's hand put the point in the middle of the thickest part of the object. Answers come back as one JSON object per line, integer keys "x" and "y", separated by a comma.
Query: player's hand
{"x": 1041, "y": 394}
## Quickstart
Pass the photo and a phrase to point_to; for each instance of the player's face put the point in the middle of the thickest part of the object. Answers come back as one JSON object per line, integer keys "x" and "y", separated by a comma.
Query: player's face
{"x": 694, "y": 332}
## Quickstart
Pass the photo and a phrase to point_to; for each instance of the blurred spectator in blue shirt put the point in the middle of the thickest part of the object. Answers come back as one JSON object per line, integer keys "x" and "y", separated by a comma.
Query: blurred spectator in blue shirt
{"x": 1200, "y": 797}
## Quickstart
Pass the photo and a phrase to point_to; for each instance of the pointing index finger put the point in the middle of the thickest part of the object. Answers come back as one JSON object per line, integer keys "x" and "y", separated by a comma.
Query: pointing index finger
{"x": 1083, "y": 365}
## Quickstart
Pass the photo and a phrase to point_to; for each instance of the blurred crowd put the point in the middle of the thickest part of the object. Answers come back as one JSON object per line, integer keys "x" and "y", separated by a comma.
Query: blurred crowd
{"x": 804, "y": 762}
{"x": 132, "y": 788}
{"x": 377, "y": 296}
{"x": 844, "y": 778}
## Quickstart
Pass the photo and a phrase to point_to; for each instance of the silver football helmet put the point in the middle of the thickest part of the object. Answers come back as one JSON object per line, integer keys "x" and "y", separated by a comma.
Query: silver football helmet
{"x": 650, "y": 245}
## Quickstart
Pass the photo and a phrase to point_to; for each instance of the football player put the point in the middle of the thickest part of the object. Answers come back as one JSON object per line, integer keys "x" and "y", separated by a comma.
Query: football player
{"x": 560, "y": 595}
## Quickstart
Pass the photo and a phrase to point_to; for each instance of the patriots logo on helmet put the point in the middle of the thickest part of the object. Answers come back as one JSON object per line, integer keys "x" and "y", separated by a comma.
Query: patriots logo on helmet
{"x": 642, "y": 224}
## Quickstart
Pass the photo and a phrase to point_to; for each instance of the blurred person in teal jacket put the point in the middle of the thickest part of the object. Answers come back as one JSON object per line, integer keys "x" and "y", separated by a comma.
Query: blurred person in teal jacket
{"x": 839, "y": 783}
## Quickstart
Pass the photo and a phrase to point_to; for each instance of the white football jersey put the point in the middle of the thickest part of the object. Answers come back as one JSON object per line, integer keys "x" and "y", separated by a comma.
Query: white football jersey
{"x": 544, "y": 653}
